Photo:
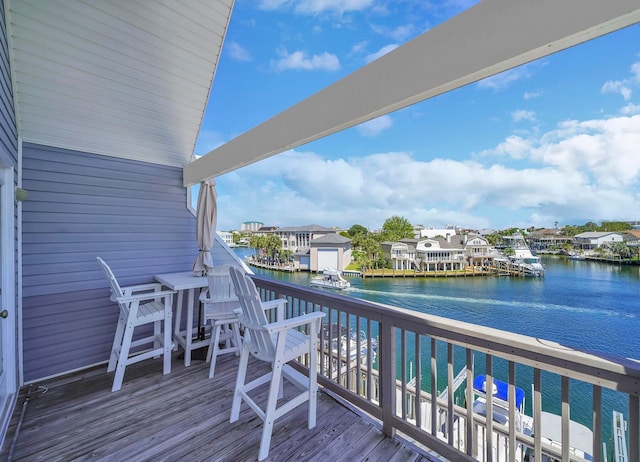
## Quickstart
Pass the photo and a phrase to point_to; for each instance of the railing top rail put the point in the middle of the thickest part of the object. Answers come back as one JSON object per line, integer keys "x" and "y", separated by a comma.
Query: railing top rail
{"x": 622, "y": 374}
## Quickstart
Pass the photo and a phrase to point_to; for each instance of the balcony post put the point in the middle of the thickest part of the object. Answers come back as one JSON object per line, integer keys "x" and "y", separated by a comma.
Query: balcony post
{"x": 387, "y": 371}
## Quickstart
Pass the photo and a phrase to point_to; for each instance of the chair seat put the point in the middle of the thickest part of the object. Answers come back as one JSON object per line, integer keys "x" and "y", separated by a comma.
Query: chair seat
{"x": 151, "y": 311}
{"x": 296, "y": 344}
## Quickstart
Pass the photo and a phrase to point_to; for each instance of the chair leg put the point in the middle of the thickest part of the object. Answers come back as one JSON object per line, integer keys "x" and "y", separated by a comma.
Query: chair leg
{"x": 313, "y": 384}
{"x": 123, "y": 358}
{"x": 215, "y": 339}
{"x": 237, "y": 339}
{"x": 275, "y": 391}
{"x": 242, "y": 373}
{"x": 167, "y": 344}
{"x": 157, "y": 330}
{"x": 117, "y": 343}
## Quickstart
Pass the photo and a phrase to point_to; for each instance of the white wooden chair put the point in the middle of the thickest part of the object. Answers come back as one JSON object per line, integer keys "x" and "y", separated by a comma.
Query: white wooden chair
{"x": 219, "y": 301}
{"x": 139, "y": 305}
{"x": 277, "y": 343}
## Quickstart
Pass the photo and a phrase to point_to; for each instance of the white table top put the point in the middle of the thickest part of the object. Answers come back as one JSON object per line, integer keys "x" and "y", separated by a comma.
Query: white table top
{"x": 182, "y": 281}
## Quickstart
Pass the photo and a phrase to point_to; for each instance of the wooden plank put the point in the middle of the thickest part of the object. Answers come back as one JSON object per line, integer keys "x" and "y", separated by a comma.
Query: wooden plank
{"x": 182, "y": 416}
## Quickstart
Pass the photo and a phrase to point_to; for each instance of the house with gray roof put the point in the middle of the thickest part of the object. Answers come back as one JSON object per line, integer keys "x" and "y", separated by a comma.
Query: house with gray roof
{"x": 593, "y": 239}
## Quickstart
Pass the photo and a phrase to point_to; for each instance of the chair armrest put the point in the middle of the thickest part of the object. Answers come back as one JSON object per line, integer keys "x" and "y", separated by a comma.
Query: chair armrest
{"x": 278, "y": 304}
{"x": 130, "y": 290}
{"x": 308, "y": 318}
{"x": 145, "y": 296}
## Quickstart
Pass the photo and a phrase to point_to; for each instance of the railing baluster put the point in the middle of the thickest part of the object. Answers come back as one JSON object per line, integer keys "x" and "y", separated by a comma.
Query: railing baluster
{"x": 597, "y": 423}
{"x": 634, "y": 416}
{"x": 403, "y": 367}
{"x": 488, "y": 443}
{"x": 359, "y": 363}
{"x": 369, "y": 362}
{"x": 418, "y": 376}
{"x": 537, "y": 414}
{"x": 348, "y": 353}
{"x": 450, "y": 391}
{"x": 387, "y": 372}
{"x": 434, "y": 388}
{"x": 471, "y": 443}
{"x": 512, "y": 412}
{"x": 566, "y": 417}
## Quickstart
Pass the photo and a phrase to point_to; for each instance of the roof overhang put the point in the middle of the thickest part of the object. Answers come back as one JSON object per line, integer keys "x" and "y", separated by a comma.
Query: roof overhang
{"x": 489, "y": 38}
{"x": 128, "y": 79}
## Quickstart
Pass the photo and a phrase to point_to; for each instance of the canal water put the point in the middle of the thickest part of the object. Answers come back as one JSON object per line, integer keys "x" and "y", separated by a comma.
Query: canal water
{"x": 580, "y": 304}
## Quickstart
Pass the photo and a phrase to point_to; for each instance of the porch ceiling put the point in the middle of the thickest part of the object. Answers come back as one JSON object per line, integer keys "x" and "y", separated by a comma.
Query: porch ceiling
{"x": 128, "y": 79}
{"x": 491, "y": 37}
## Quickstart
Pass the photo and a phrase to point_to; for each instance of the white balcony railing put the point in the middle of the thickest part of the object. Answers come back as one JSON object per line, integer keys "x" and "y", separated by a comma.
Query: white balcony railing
{"x": 573, "y": 384}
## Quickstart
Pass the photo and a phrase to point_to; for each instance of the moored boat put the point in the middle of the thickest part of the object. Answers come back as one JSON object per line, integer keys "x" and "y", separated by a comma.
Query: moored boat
{"x": 330, "y": 279}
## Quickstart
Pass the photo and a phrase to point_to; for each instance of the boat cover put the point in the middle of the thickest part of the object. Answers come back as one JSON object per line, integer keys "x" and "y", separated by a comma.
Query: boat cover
{"x": 500, "y": 389}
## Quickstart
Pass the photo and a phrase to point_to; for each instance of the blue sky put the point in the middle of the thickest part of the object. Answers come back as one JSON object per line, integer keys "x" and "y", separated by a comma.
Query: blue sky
{"x": 556, "y": 140}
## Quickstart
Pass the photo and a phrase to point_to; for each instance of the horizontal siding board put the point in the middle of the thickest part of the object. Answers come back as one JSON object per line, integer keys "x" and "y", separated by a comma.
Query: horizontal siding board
{"x": 49, "y": 217}
{"x": 132, "y": 214}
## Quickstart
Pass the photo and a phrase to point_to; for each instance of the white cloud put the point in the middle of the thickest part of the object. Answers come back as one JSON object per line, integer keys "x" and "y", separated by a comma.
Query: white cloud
{"x": 520, "y": 114}
{"x": 312, "y": 7}
{"x": 400, "y": 33}
{"x": 617, "y": 86}
{"x": 299, "y": 60}
{"x": 581, "y": 170}
{"x": 624, "y": 87}
{"x": 630, "y": 109}
{"x": 532, "y": 94}
{"x": 374, "y": 126}
{"x": 237, "y": 52}
{"x": 381, "y": 52}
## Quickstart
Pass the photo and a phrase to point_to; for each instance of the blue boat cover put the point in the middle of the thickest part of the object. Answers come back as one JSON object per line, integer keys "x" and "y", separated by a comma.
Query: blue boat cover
{"x": 500, "y": 389}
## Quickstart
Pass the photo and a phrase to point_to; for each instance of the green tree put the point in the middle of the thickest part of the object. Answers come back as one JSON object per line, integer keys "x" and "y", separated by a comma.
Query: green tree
{"x": 613, "y": 226}
{"x": 396, "y": 228}
{"x": 357, "y": 229}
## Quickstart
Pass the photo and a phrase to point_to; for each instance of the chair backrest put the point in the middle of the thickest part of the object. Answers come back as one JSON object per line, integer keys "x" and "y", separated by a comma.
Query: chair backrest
{"x": 221, "y": 296}
{"x": 253, "y": 316}
{"x": 116, "y": 291}
{"x": 220, "y": 285}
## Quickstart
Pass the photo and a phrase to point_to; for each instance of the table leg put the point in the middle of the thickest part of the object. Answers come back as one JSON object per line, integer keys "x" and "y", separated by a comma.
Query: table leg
{"x": 176, "y": 328}
{"x": 189, "y": 330}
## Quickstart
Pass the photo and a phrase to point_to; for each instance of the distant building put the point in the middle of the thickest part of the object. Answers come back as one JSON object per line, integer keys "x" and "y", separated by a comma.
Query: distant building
{"x": 251, "y": 226}
{"x": 330, "y": 251}
{"x": 594, "y": 239}
{"x": 430, "y": 233}
{"x": 547, "y": 238}
{"x": 227, "y": 237}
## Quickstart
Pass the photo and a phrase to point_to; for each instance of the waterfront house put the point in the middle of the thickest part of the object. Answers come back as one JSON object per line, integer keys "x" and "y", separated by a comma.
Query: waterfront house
{"x": 440, "y": 254}
{"x": 548, "y": 238}
{"x": 402, "y": 255}
{"x": 101, "y": 103}
{"x": 477, "y": 249}
{"x": 591, "y": 240}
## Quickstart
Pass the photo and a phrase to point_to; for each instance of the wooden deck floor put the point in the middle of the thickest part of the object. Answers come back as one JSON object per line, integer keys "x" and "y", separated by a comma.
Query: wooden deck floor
{"x": 183, "y": 416}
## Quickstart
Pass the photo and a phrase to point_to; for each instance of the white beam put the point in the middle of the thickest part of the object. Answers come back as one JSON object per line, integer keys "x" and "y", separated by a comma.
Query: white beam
{"x": 489, "y": 38}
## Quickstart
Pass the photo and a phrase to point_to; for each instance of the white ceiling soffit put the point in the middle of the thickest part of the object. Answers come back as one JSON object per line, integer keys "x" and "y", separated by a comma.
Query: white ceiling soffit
{"x": 125, "y": 78}
{"x": 491, "y": 37}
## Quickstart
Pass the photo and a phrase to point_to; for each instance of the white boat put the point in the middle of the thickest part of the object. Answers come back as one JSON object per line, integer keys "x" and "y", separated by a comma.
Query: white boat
{"x": 581, "y": 437}
{"x": 330, "y": 279}
{"x": 522, "y": 257}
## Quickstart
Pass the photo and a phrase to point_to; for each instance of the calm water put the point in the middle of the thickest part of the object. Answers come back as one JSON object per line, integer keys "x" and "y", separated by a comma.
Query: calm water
{"x": 586, "y": 305}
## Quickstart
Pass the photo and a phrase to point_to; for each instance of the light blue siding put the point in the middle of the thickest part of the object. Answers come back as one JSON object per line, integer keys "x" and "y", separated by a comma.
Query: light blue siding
{"x": 80, "y": 206}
